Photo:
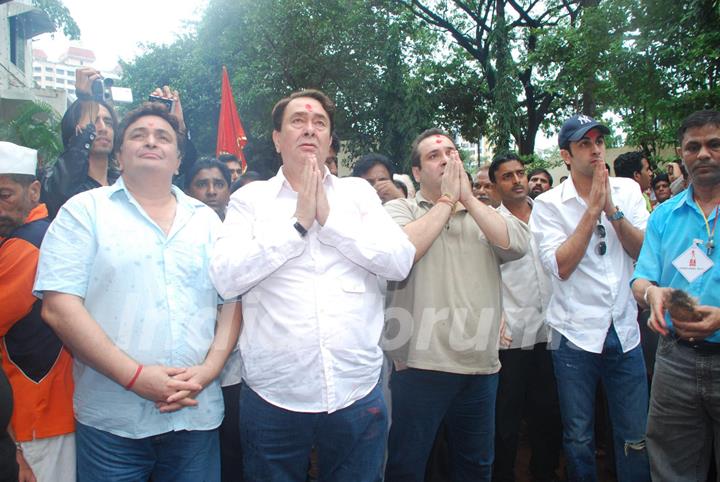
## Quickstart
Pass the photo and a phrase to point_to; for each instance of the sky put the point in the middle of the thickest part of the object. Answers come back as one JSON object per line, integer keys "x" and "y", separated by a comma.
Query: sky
{"x": 114, "y": 30}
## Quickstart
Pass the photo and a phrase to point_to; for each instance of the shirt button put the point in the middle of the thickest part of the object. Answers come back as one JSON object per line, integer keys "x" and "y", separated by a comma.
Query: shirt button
{"x": 87, "y": 146}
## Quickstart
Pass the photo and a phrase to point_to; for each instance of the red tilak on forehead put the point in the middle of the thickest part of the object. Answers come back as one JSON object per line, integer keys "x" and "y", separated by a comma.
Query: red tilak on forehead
{"x": 308, "y": 107}
{"x": 438, "y": 139}
{"x": 593, "y": 134}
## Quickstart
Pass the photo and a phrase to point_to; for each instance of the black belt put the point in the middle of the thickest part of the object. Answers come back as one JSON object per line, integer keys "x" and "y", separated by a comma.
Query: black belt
{"x": 700, "y": 346}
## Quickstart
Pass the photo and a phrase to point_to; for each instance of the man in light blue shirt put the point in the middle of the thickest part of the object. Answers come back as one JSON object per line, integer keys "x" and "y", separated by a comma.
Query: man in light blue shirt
{"x": 681, "y": 252}
{"x": 124, "y": 275}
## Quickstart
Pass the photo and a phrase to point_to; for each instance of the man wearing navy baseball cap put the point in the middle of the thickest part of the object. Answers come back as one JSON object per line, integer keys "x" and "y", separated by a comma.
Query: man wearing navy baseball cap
{"x": 589, "y": 231}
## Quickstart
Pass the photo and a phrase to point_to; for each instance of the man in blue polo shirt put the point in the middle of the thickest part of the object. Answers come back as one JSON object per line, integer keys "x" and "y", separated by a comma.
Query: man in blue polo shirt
{"x": 681, "y": 252}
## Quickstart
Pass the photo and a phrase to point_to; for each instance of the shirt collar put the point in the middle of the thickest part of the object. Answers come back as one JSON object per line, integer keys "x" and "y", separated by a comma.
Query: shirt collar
{"x": 183, "y": 199}
{"x": 686, "y": 198}
{"x": 420, "y": 199}
{"x": 570, "y": 192}
{"x": 504, "y": 208}
{"x": 278, "y": 181}
{"x": 38, "y": 212}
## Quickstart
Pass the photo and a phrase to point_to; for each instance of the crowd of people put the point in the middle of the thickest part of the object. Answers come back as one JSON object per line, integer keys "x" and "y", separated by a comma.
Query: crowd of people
{"x": 173, "y": 318}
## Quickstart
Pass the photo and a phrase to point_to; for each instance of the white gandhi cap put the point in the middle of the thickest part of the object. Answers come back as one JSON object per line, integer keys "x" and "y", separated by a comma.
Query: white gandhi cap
{"x": 16, "y": 159}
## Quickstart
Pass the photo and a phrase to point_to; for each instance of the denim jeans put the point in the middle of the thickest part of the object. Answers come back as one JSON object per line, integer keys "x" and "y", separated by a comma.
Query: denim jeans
{"x": 276, "y": 443}
{"x": 623, "y": 375}
{"x": 181, "y": 456}
{"x": 684, "y": 413}
{"x": 421, "y": 399}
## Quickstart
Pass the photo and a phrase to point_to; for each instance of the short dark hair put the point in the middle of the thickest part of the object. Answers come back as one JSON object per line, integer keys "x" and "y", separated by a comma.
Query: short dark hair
{"x": 415, "y": 153}
{"x": 279, "y": 110}
{"x": 698, "y": 119}
{"x": 540, "y": 170}
{"x": 368, "y": 161}
{"x": 71, "y": 118}
{"x": 335, "y": 143}
{"x": 23, "y": 179}
{"x": 227, "y": 158}
{"x": 402, "y": 186}
{"x": 659, "y": 178}
{"x": 627, "y": 164}
{"x": 499, "y": 160}
{"x": 146, "y": 109}
{"x": 207, "y": 163}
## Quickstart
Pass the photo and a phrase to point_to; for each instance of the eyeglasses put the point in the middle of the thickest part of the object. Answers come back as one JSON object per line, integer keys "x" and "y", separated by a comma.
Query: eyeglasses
{"x": 601, "y": 247}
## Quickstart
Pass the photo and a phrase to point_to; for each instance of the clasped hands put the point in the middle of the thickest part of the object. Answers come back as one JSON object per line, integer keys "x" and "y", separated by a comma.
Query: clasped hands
{"x": 455, "y": 183}
{"x": 172, "y": 388}
{"x": 312, "y": 202}
{"x": 600, "y": 198}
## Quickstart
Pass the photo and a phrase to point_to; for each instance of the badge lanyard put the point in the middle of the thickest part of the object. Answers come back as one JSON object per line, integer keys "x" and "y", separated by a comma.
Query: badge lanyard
{"x": 711, "y": 234}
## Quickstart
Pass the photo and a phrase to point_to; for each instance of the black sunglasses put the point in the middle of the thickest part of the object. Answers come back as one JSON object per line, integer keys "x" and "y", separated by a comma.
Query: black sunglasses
{"x": 601, "y": 247}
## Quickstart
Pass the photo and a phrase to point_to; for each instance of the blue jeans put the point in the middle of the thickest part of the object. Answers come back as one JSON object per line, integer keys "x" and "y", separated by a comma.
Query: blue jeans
{"x": 421, "y": 399}
{"x": 276, "y": 443}
{"x": 623, "y": 375}
{"x": 684, "y": 413}
{"x": 181, "y": 456}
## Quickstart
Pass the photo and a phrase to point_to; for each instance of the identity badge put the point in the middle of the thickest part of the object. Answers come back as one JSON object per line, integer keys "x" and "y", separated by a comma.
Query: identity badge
{"x": 692, "y": 263}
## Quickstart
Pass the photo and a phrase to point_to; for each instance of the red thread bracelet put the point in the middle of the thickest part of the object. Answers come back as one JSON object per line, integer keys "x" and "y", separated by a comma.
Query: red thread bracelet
{"x": 134, "y": 378}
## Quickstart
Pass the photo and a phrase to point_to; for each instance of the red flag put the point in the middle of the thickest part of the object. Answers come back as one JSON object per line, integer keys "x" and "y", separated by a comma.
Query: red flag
{"x": 231, "y": 135}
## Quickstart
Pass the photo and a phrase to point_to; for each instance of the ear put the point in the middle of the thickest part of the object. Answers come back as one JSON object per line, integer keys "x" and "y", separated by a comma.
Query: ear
{"x": 276, "y": 140}
{"x": 34, "y": 191}
{"x": 565, "y": 154}
{"x": 416, "y": 173}
{"x": 678, "y": 151}
{"x": 636, "y": 176}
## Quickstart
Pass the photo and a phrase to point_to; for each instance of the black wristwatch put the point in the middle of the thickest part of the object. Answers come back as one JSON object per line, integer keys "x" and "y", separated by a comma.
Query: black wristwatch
{"x": 300, "y": 228}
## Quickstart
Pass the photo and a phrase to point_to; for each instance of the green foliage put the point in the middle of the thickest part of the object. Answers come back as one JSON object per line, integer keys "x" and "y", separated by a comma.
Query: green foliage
{"x": 60, "y": 15}
{"x": 499, "y": 69}
{"x": 353, "y": 50}
{"x": 36, "y": 126}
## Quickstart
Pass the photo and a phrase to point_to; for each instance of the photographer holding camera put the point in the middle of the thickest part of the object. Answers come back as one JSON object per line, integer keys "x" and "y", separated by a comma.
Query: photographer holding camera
{"x": 88, "y": 129}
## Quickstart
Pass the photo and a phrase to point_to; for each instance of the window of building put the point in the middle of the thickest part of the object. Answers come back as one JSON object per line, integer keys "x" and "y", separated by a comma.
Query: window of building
{"x": 48, "y": 78}
{"x": 60, "y": 72}
{"x": 48, "y": 69}
{"x": 17, "y": 43}
{"x": 71, "y": 91}
{"x": 71, "y": 82}
{"x": 37, "y": 69}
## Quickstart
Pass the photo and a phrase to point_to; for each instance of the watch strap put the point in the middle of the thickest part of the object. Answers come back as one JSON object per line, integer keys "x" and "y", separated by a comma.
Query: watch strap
{"x": 300, "y": 228}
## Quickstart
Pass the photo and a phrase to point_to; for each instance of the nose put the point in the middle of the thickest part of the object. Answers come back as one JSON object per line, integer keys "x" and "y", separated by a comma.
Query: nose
{"x": 516, "y": 178}
{"x": 100, "y": 124}
{"x": 704, "y": 152}
{"x": 309, "y": 128}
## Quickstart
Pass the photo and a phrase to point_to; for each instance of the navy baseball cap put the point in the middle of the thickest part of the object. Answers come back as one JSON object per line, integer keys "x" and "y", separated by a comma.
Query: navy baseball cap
{"x": 576, "y": 127}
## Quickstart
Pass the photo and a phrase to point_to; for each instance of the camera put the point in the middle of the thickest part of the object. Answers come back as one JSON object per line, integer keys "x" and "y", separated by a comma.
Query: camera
{"x": 97, "y": 90}
{"x": 168, "y": 102}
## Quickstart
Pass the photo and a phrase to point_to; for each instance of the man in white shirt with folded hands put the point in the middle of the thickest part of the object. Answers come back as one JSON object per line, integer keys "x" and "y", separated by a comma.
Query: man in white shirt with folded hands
{"x": 305, "y": 250}
{"x": 589, "y": 229}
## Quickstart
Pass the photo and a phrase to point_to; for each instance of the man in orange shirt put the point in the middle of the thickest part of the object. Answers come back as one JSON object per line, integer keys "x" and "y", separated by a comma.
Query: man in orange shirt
{"x": 33, "y": 357}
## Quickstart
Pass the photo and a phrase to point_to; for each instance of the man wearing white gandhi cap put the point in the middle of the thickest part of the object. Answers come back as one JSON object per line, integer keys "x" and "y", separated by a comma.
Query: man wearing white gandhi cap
{"x": 33, "y": 358}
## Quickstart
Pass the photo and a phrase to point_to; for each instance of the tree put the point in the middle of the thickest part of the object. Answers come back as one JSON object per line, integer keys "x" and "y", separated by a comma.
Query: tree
{"x": 352, "y": 50}
{"x": 36, "y": 126}
{"x": 501, "y": 36}
{"x": 669, "y": 67}
{"x": 60, "y": 16}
